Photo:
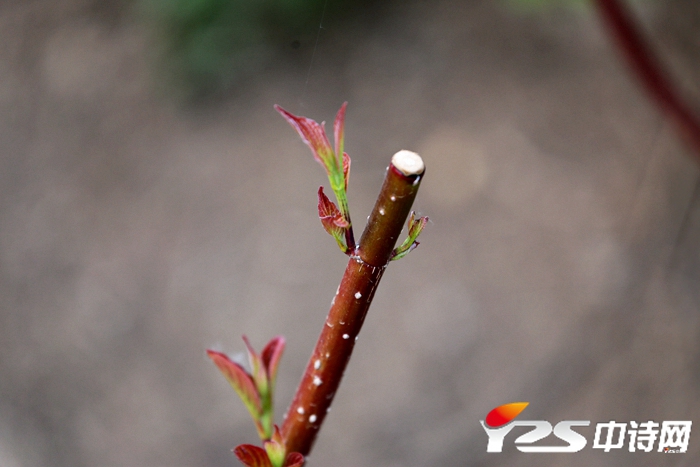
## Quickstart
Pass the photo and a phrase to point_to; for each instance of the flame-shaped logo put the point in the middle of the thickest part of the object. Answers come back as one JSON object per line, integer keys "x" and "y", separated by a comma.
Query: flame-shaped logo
{"x": 505, "y": 413}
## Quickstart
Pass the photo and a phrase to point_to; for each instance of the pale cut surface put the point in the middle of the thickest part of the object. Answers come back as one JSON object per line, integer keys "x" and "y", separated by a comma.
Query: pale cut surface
{"x": 408, "y": 162}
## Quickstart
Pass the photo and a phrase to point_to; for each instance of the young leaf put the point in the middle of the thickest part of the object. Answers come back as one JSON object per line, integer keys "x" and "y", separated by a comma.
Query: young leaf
{"x": 337, "y": 164}
{"x": 294, "y": 459}
{"x": 241, "y": 382}
{"x": 275, "y": 449}
{"x": 332, "y": 220}
{"x": 415, "y": 227}
{"x": 346, "y": 169}
{"x": 258, "y": 369}
{"x": 264, "y": 368}
{"x": 314, "y": 136}
{"x": 339, "y": 130}
{"x": 271, "y": 355}
{"x": 252, "y": 456}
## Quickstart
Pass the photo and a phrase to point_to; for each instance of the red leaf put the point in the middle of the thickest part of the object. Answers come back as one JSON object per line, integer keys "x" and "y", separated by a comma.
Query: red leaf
{"x": 252, "y": 456}
{"x": 271, "y": 355}
{"x": 330, "y": 215}
{"x": 332, "y": 220}
{"x": 256, "y": 364}
{"x": 346, "y": 169}
{"x": 239, "y": 379}
{"x": 339, "y": 130}
{"x": 314, "y": 136}
{"x": 294, "y": 459}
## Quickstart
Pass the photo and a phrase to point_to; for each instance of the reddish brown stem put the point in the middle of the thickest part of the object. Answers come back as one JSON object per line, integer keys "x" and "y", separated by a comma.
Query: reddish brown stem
{"x": 349, "y": 307}
{"x": 647, "y": 67}
{"x": 350, "y": 238}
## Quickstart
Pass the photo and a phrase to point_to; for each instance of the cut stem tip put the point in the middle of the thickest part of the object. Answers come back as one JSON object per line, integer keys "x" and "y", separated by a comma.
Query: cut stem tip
{"x": 408, "y": 163}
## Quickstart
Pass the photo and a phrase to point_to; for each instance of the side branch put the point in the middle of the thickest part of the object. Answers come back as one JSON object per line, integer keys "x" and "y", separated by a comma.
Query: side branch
{"x": 351, "y": 302}
{"x": 647, "y": 67}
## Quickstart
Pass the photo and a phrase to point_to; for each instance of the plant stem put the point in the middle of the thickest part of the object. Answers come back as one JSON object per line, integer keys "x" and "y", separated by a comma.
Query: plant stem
{"x": 647, "y": 67}
{"x": 350, "y": 235}
{"x": 351, "y": 302}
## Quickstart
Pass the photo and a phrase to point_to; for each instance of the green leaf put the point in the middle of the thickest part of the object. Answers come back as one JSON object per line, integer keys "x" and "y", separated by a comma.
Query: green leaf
{"x": 258, "y": 369}
{"x": 415, "y": 227}
{"x": 275, "y": 449}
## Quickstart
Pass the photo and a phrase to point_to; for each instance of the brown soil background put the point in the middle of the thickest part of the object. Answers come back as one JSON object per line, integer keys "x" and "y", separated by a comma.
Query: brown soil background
{"x": 561, "y": 265}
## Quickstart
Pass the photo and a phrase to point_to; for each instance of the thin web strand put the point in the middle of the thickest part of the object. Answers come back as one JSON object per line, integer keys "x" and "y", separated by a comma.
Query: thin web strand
{"x": 313, "y": 53}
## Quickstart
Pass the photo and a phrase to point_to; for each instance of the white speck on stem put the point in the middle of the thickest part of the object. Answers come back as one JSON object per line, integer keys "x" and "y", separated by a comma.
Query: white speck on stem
{"x": 342, "y": 322}
{"x": 328, "y": 409}
{"x": 393, "y": 198}
{"x": 328, "y": 355}
{"x": 346, "y": 336}
{"x": 415, "y": 182}
{"x": 312, "y": 418}
{"x": 357, "y": 337}
{"x": 317, "y": 381}
{"x": 358, "y": 295}
{"x": 300, "y": 410}
{"x": 329, "y": 324}
{"x": 317, "y": 364}
{"x": 382, "y": 211}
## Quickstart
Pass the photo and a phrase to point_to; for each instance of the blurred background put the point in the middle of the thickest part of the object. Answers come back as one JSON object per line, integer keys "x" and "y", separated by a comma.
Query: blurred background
{"x": 153, "y": 204}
